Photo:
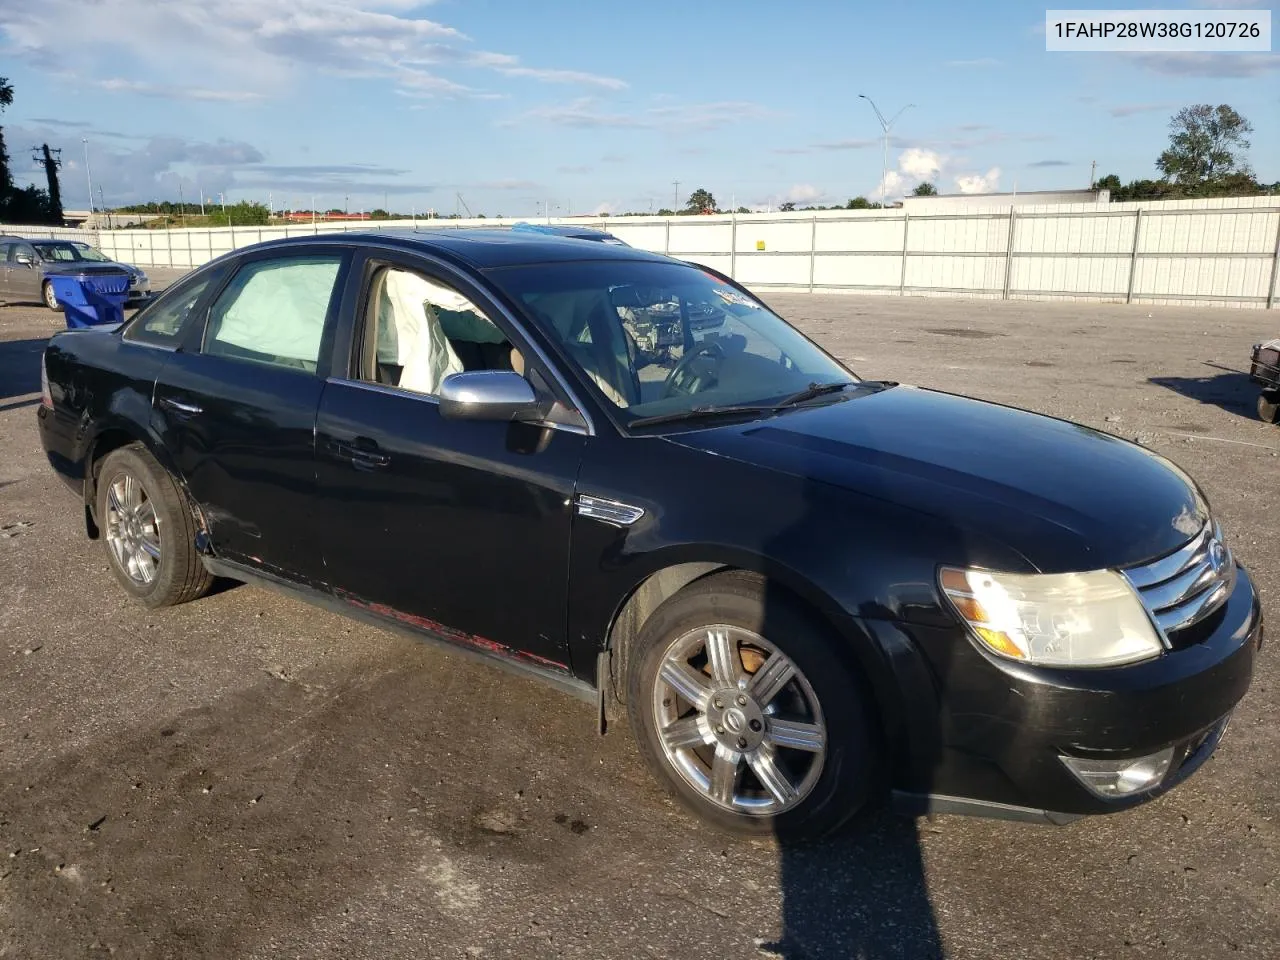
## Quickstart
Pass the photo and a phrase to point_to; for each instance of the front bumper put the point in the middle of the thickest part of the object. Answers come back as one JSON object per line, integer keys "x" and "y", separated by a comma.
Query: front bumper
{"x": 1003, "y": 728}
{"x": 139, "y": 289}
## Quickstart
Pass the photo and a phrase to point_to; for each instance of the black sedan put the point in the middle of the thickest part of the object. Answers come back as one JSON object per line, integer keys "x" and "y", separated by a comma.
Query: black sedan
{"x": 808, "y": 591}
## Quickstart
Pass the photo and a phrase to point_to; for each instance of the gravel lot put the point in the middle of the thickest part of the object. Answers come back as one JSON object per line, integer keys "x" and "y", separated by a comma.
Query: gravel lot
{"x": 247, "y": 776}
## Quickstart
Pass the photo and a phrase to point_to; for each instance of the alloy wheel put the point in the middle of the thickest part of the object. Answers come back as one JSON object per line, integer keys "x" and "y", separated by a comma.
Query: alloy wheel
{"x": 738, "y": 720}
{"x": 133, "y": 529}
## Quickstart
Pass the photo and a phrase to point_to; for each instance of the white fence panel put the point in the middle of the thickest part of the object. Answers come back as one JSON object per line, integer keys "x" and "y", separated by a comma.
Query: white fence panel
{"x": 1186, "y": 251}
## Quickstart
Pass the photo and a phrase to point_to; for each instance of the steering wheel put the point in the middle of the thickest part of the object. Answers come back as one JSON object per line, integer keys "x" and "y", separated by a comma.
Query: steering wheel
{"x": 684, "y": 370}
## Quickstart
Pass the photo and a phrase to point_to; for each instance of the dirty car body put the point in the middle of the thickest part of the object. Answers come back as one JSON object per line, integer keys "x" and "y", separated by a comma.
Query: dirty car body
{"x": 957, "y": 562}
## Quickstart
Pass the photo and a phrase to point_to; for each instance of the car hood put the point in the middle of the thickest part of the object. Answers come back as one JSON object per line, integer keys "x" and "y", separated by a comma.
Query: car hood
{"x": 86, "y": 266}
{"x": 1064, "y": 496}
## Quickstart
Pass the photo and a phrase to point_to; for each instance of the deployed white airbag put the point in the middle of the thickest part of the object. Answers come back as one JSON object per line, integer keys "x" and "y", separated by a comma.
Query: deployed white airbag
{"x": 280, "y": 310}
{"x": 424, "y": 351}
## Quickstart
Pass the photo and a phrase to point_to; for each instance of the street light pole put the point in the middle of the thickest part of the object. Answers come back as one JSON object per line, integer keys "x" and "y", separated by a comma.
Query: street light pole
{"x": 88, "y": 173}
{"x": 886, "y": 125}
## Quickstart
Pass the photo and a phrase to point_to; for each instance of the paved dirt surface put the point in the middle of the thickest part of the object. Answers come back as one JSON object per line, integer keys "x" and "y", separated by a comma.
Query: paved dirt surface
{"x": 247, "y": 776}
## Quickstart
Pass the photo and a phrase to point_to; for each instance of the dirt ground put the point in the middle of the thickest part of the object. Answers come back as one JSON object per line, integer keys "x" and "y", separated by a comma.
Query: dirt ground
{"x": 247, "y": 776}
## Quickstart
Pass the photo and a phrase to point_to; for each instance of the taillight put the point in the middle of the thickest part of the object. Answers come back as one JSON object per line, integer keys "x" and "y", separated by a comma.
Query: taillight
{"x": 46, "y": 398}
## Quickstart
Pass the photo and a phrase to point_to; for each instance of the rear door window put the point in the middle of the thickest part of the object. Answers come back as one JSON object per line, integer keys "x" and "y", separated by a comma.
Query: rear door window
{"x": 274, "y": 311}
{"x": 163, "y": 324}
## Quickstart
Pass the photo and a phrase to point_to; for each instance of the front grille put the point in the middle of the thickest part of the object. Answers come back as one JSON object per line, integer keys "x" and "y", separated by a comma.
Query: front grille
{"x": 1187, "y": 586}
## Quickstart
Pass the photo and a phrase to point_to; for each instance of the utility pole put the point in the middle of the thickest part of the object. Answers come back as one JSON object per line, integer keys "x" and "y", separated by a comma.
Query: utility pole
{"x": 182, "y": 206}
{"x": 1093, "y": 173}
{"x": 51, "y": 160}
{"x": 346, "y": 204}
{"x": 886, "y": 125}
{"x": 102, "y": 206}
{"x": 676, "y": 207}
{"x": 201, "y": 189}
{"x": 88, "y": 174}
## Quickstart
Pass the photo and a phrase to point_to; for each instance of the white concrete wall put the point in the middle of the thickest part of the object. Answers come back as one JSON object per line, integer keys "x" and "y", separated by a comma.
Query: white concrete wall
{"x": 1205, "y": 252}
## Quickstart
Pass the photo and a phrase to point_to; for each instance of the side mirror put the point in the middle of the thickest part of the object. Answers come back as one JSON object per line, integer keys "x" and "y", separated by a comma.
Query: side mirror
{"x": 489, "y": 395}
{"x": 23, "y": 259}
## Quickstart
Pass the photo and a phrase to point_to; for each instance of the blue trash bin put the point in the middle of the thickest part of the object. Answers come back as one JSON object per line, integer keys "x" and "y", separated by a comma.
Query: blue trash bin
{"x": 91, "y": 299}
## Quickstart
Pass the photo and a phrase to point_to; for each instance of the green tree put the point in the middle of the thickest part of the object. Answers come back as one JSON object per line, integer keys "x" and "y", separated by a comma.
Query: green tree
{"x": 6, "y": 178}
{"x": 1206, "y": 144}
{"x": 664, "y": 212}
{"x": 925, "y": 189}
{"x": 743, "y": 210}
{"x": 701, "y": 201}
{"x": 379, "y": 214}
{"x": 786, "y": 207}
{"x": 242, "y": 214}
{"x": 1109, "y": 182}
{"x": 861, "y": 203}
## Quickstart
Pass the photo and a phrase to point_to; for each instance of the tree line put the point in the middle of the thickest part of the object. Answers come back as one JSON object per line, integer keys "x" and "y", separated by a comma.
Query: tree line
{"x": 1205, "y": 158}
{"x": 28, "y": 204}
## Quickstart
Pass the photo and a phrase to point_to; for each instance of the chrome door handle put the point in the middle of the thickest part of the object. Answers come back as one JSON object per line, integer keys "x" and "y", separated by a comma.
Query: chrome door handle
{"x": 188, "y": 409}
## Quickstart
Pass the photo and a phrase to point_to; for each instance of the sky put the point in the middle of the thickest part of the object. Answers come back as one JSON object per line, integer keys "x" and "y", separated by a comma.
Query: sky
{"x": 511, "y": 107}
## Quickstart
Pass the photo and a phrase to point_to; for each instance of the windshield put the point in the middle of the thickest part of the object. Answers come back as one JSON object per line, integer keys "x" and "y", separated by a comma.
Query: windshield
{"x": 65, "y": 251}
{"x": 663, "y": 338}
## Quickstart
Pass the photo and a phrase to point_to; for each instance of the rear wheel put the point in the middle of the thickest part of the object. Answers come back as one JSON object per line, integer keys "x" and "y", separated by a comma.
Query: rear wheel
{"x": 50, "y": 298}
{"x": 743, "y": 706}
{"x": 149, "y": 530}
{"x": 1269, "y": 406}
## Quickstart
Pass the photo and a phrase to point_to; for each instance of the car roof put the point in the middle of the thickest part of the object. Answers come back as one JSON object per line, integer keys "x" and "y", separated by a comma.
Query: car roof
{"x": 483, "y": 248}
{"x": 563, "y": 230}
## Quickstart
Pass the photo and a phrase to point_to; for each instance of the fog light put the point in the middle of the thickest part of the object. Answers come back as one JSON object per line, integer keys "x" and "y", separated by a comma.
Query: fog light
{"x": 1118, "y": 778}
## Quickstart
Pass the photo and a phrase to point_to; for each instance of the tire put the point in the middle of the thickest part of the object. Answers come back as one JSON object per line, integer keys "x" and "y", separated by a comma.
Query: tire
{"x": 49, "y": 297}
{"x": 1269, "y": 406}
{"x": 832, "y": 767}
{"x": 149, "y": 530}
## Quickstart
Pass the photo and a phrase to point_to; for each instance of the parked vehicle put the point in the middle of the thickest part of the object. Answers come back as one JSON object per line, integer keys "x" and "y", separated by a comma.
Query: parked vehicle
{"x": 807, "y": 590}
{"x": 26, "y": 266}
{"x": 1264, "y": 369}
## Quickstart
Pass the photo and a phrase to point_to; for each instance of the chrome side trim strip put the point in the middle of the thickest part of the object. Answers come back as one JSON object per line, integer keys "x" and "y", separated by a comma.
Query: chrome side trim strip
{"x": 608, "y": 511}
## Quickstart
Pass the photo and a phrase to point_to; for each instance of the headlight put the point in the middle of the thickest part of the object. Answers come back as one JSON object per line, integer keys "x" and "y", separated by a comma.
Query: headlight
{"x": 1062, "y": 620}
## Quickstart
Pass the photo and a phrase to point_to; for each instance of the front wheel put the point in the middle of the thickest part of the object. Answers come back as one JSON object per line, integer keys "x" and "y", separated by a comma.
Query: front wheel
{"x": 149, "y": 530}
{"x": 1269, "y": 406}
{"x": 50, "y": 298}
{"x": 742, "y": 703}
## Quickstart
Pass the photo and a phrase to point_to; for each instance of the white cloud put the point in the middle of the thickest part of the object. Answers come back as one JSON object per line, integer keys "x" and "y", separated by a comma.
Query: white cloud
{"x": 979, "y": 182}
{"x": 265, "y": 46}
{"x": 920, "y": 164}
{"x": 1200, "y": 64}
{"x": 170, "y": 92}
{"x": 1130, "y": 109}
{"x": 803, "y": 193}
{"x": 589, "y": 113}
{"x": 892, "y": 185}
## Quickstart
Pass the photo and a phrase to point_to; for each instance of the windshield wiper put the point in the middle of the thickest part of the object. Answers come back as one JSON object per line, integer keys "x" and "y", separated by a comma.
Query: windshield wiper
{"x": 699, "y": 413}
{"x": 707, "y": 412}
{"x": 810, "y": 392}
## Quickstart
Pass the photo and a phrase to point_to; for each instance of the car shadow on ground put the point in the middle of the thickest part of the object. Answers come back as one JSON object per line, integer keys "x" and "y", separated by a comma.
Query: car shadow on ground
{"x": 862, "y": 894}
{"x": 1229, "y": 389}
{"x": 20, "y": 367}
